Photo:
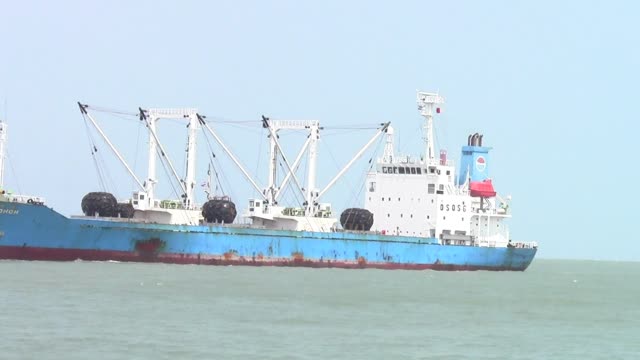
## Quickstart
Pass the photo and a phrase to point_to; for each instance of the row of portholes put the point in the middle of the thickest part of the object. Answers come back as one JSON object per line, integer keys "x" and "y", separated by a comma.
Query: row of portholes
{"x": 389, "y": 199}
{"x": 429, "y": 217}
{"x": 402, "y": 216}
{"x": 445, "y": 218}
{"x": 497, "y": 225}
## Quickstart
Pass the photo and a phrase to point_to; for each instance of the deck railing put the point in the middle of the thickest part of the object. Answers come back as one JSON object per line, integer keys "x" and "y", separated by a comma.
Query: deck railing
{"x": 24, "y": 199}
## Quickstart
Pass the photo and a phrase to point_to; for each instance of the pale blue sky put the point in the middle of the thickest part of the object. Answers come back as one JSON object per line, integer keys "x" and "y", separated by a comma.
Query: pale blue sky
{"x": 552, "y": 85}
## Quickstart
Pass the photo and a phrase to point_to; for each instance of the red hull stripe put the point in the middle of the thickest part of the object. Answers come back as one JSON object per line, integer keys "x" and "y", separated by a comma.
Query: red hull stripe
{"x": 52, "y": 254}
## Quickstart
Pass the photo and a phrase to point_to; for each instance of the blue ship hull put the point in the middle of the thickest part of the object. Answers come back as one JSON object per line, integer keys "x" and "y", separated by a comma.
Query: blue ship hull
{"x": 36, "y": 232}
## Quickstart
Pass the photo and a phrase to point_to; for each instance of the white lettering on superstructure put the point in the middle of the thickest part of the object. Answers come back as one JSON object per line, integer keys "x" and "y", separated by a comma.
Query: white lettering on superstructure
{"x": 9, "y": 211}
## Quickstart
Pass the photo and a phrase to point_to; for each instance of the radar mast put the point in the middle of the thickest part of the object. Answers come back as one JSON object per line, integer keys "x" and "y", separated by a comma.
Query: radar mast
{"x": 426, "y": 103}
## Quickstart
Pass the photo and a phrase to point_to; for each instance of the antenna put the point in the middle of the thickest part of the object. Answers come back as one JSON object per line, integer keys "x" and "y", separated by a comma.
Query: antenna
{"x": 3, "y": 141}
{"x": 426, "y": 102}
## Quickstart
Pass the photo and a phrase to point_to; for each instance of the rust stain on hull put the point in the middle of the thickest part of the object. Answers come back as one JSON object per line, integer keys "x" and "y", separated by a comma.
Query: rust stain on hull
{"x": 230, "y": 255}
{"x": 148, "y": 249}
{"x": 362, "y": 262}
{"x": 55, "y": 254}
{"x": 297, "y": 257}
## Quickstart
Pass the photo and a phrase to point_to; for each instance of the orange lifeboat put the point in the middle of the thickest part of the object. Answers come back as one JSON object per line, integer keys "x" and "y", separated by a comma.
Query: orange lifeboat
{"x": 482, "y": 188}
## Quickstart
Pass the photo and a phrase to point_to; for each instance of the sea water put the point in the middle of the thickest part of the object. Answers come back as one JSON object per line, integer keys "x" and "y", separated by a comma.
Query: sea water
{"x": 101, "y": 310}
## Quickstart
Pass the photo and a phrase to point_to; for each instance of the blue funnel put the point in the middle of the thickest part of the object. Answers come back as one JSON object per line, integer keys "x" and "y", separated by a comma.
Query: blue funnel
{"x": 474, "y": 161}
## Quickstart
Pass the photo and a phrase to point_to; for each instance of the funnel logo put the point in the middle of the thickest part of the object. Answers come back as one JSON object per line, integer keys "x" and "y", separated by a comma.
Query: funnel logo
{"x": 481, "y": 163}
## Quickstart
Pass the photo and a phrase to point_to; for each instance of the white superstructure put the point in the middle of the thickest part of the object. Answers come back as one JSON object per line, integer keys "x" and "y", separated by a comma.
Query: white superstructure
{"x": 419, "y": 196}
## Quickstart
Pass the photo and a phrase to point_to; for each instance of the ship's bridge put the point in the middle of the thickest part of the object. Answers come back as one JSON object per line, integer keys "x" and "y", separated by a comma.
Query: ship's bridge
{"x": 417, "y": 197}
{"x": 405, "y": 197}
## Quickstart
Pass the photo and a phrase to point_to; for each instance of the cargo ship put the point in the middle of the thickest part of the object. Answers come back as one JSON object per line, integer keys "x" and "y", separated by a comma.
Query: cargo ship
{"x": 418, "y": 213}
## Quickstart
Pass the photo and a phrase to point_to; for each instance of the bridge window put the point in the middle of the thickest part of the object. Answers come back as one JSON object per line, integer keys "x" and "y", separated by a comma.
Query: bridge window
{"x": 448, "y": 172}
{"x": 413, "y": 170}
{"x": 401, "y": 170}
{"x": 419, "y": 171}
{"x": 395, "y": 169}
{"x": 431, "y": 189}
{"x": 384, "y": 169}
